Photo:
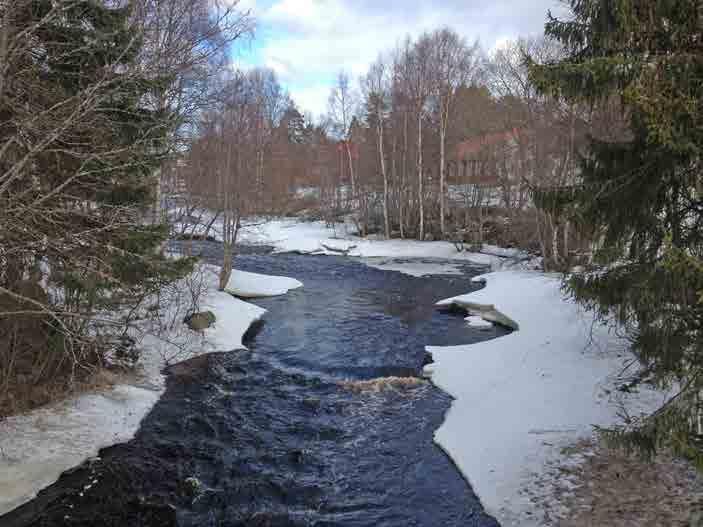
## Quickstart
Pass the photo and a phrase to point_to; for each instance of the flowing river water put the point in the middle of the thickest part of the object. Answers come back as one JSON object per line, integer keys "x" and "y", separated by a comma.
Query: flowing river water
{"x": 324, "y": 421}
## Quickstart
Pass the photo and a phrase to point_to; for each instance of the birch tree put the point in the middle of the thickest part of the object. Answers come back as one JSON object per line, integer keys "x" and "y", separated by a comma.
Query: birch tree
{"x": 455, "y": 64}
{"x": 419, "y": 83}
{"x": 376, "y": 86}
{"x": 341, "y": 106}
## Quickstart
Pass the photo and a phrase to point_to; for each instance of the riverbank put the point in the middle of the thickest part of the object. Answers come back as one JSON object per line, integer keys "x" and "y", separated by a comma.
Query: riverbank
{"x": 316, "y": 237}
{"x": 36, "y": 447}
{"x": 532, "y": 393}
{"x": 592, "y": 485}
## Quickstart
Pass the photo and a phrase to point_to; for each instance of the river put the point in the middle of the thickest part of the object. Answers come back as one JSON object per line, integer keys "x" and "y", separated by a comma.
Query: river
{"x": 324, "y": 421}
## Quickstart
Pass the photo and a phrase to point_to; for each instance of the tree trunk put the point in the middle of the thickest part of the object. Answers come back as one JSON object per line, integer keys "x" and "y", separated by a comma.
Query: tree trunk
{"x": 386, "y": 223}
{"x": 555, "y": 241}
{"x": 394, "y": 173}
{"x": 403, "y": 173}
{"x": 540, "y": 236}
{"x": 419, "y": 176}
{"x": 226, "y": 270}
{"x": 351, "y": 170}
{"x": 442, "y": 137}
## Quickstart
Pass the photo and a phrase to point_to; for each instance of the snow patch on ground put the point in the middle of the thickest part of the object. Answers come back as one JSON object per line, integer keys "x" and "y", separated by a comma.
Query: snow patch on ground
{"x": 35, "y": 448}
{"x": 253, "y": 285}
{"x": 521, "y": 398}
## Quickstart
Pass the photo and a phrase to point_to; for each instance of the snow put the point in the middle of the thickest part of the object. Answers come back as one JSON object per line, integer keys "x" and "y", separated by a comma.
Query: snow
{"x": 35, "y": 448}
{"x": 520, "y": 398}
{"x": 414, "y": 267}
{"x": 292, "y": 235}
{"x": 287, "y": 234}
{"x": 253, "y": 285}
{"x": 234, "y": 317}
{"x": 476, "y": 321}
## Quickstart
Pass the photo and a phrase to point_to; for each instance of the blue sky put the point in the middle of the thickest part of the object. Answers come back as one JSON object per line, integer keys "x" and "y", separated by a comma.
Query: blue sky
{"x": 308, "y": 41}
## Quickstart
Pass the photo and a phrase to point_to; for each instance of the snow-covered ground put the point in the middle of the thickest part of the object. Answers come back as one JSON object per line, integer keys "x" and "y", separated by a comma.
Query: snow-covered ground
{"x": 35, "y": 448}
{"x": 292, "y": 235}
{"x": 521, "y": 398}
{"x": 315, "y": 237}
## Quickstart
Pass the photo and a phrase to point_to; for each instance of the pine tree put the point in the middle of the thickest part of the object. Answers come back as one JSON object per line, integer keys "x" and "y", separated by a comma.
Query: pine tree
{"x": 642, "y": 195}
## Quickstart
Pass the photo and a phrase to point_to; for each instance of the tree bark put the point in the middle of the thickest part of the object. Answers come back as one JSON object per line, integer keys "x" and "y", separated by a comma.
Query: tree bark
{"x": 403, "y": 173}
{"x": 419, "y": 176}
{"x": 351, "y": 170}
{"x": 442, "y": 137}
{"x": 394, "y": 173}
{"x": 386, "y": 223}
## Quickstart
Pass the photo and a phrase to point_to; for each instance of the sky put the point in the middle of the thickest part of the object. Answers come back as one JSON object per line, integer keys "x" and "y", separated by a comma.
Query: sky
{"x": 307, "y": 42}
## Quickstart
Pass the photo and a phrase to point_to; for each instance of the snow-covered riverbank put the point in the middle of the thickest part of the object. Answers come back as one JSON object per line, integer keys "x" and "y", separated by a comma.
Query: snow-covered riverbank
{"x": 523, "y": 397}
{"x": 35, "y": 448}
{"x": 294, "y": 235}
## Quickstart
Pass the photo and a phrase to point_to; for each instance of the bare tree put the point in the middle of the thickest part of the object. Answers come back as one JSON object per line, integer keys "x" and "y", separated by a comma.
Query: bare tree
{"x": 454, "y": 65}
{"x": 545, "y": 132}
{"x": 377, "y": 91}
{"x": 419, "y": 79}
{"x": 341, "y": 105}
{"x": 186, "y": 46}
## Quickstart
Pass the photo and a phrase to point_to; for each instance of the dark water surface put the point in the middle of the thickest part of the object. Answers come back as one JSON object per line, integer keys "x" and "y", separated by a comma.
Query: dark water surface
{"x": 285, "y": 434}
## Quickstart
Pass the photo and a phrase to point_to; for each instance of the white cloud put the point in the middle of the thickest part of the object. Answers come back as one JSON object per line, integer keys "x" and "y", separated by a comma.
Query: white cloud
{"x": 308, "y": 41}
{"x": 312, "y": 98}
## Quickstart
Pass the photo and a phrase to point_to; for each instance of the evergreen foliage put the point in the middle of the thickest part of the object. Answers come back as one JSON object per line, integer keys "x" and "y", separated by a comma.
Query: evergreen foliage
{"x": 80, "y": 146}
{"x": 294, "y": 123}
{"x": 641, "y": 196}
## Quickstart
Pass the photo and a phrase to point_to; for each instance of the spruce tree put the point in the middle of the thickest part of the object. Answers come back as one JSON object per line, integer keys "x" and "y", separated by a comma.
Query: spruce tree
{"x": 641, "y": 196}
{"x": 80, "y": 141}
{"x": 294, "y": 123}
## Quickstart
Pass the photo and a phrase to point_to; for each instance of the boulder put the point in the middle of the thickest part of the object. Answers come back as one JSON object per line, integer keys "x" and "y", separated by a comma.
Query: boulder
{"x": 192, "y": 487}
{"x": 200, "y": 321}
{"x": 487, "y": 312}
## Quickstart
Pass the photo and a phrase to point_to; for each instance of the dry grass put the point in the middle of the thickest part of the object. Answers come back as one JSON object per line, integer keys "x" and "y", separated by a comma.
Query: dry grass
{"x": 23, "y": 396}
{"x": 613, "y": 489}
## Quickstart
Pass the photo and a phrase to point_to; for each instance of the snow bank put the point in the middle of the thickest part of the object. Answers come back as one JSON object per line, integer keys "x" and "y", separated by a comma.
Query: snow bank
{"x": 37, "y": 447}
{"x": 291, "y": 235}
{"x": 234, "y": 317}
{"x": 252, "y": 285}
{"x": 520, "y": 398}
